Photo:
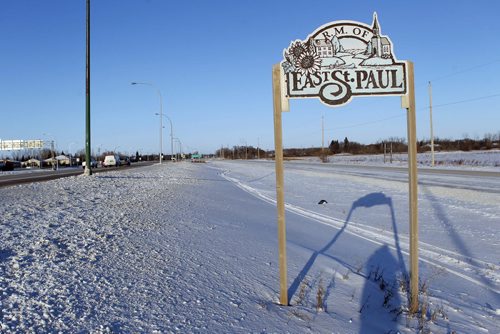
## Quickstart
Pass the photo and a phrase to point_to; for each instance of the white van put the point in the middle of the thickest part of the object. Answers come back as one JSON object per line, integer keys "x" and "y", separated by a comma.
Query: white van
{"x": 111, "y": 160}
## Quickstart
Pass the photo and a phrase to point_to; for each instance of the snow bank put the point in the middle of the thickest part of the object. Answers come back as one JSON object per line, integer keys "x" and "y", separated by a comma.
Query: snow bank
{"x": 471, "y": 160}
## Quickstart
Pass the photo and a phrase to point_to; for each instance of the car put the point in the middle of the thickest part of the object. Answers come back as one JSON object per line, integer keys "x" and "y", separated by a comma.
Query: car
{"x": 111, "y": 160}
{"x": 93, "y": 163}
{"x": 125, "y": 162}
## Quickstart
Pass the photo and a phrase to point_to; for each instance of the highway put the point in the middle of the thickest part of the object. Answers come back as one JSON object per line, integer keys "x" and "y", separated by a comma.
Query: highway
{"x": 470, "y": 179}
{"x": 36, "y": 175}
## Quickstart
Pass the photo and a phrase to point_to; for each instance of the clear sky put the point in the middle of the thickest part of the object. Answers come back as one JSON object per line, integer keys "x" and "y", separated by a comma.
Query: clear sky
{"x": 212, "y": 62}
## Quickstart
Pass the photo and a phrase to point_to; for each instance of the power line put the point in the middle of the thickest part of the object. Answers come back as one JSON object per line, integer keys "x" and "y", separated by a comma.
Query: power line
{"x": 465, "y": 70}
{"x": 421, "y": 109}
{"x": 365, "y": 123}
{"x": 464, "y": 101}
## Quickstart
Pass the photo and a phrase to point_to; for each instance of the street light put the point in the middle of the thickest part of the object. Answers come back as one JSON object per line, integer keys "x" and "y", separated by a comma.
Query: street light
{"x": 53, "y": 146}
{"x": 88, "y": 168}
{"x": 69, "y": 152}
{"x": 180, "y": 147}
{"x": 171, "y": 134}
{"x": 161, "y": 114}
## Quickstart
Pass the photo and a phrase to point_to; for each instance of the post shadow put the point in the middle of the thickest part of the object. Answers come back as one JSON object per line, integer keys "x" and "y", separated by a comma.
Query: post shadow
{"x": 455, "y": 237}
{"x": 380, "y": 291}
{"x": 366, "y": 201}
{"x": 380, "y": 198}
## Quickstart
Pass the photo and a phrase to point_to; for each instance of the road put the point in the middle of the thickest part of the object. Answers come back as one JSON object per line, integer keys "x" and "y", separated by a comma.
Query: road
{"x": 36, "y": 175}
{"x": 484, "y": 181}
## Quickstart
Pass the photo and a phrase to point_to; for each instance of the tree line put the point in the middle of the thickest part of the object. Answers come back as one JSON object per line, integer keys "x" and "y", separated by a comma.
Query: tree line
{"x": 346, "y": 146}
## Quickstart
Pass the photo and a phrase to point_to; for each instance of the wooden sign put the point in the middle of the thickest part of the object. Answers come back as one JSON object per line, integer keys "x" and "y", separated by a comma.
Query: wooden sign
{"x": 341, "y": 60}
{"x": 338, "y": 61}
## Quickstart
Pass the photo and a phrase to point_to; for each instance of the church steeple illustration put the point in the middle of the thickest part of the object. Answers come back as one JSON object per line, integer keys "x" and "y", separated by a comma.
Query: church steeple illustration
{"x": 375, "y": 27}
{"x": 379, "y": 46}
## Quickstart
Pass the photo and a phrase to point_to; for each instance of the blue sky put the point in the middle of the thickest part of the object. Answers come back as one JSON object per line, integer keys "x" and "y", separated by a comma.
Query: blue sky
{"x": 212, "y": 62}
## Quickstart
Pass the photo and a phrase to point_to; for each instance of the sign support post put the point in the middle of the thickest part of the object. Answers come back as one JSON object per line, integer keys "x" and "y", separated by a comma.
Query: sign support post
{"x": 280, "y": 193}
{"x": 408, "y": 102}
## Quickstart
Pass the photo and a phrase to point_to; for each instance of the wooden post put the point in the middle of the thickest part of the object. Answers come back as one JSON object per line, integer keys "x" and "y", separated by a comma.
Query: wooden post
{"x": 280, "y": 194}
{"x": 408, "y": 102}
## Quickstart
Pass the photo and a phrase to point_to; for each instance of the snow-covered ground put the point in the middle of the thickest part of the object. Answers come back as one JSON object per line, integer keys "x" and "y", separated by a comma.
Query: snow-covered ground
{"x": 192, "y": 248}
{"x": 489, "y": 159}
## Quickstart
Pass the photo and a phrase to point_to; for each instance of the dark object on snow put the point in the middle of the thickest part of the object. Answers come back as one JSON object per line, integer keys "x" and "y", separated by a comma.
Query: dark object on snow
{"x": 322, "y": 202}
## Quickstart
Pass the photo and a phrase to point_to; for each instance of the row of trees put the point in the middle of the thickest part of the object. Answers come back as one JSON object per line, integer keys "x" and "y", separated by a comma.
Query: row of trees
{"x": 396, "y": 144}
{"x": 241, "y": 152}
{"x": 488, "y": 142}
{"x": 400, "y": 145}
{"x": 352, "y": 147}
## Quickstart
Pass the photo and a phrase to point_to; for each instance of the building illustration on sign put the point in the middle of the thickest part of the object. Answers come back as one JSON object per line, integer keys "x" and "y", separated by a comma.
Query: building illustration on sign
{"x": 343, "y": 59}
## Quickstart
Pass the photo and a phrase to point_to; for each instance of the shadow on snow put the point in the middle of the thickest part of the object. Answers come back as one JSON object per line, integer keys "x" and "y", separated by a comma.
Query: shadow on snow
{"x": 381, "y": 268}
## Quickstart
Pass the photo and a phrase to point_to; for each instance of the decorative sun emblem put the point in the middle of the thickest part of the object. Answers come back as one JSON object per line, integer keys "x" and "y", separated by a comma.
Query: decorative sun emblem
{"x": 308, "y": 63}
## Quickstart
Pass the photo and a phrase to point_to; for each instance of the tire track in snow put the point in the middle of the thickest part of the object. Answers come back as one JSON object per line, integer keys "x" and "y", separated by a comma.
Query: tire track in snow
{"x": 454, "y": 263}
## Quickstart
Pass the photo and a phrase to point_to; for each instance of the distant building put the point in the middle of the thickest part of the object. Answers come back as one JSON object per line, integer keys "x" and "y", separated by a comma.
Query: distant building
{"x": 31, "y": 163}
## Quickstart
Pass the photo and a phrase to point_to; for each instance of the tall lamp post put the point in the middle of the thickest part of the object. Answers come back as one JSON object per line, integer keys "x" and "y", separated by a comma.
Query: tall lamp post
{"x": 88, "y": 170}
{"x": 171, "y": 134}
{"x": 161, "y": 114}
{"x": 53, "y": 146}
{"x": 171, "y": 137}
{"x": 69, "y": 153}
{"x": 180, "y": 148}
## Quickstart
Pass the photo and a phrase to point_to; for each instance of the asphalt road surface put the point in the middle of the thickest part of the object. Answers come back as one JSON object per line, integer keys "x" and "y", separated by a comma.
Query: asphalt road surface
{"x": 13, "y": 178}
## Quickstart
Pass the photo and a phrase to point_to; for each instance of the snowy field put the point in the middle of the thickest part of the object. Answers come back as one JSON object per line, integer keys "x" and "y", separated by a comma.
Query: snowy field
{"x": 192, "y": 248}
{"x": 489, "y": 159}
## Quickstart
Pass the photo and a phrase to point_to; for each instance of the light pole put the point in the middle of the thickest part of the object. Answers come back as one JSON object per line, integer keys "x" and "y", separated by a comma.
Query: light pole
{"x": 171, "y": 135}
{"x": 69, "y": 152}
{"x": 88, "y": 170}
{"x": 161, "y": 114}
{"x": 180, "y": 147}
{"x": 52, "y": 148}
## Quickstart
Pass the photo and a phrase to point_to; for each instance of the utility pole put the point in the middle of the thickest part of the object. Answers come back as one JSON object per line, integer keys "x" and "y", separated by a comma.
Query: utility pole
{"x": 391, "y": 153}
{"x": 161, "y": 127}
{"x": 322, "y": 136}
{"x": 432, "y": 130}
{"x": 258, "y": 148}
{"x": 88, "y": 170}
{"x": 385, "y": 150}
